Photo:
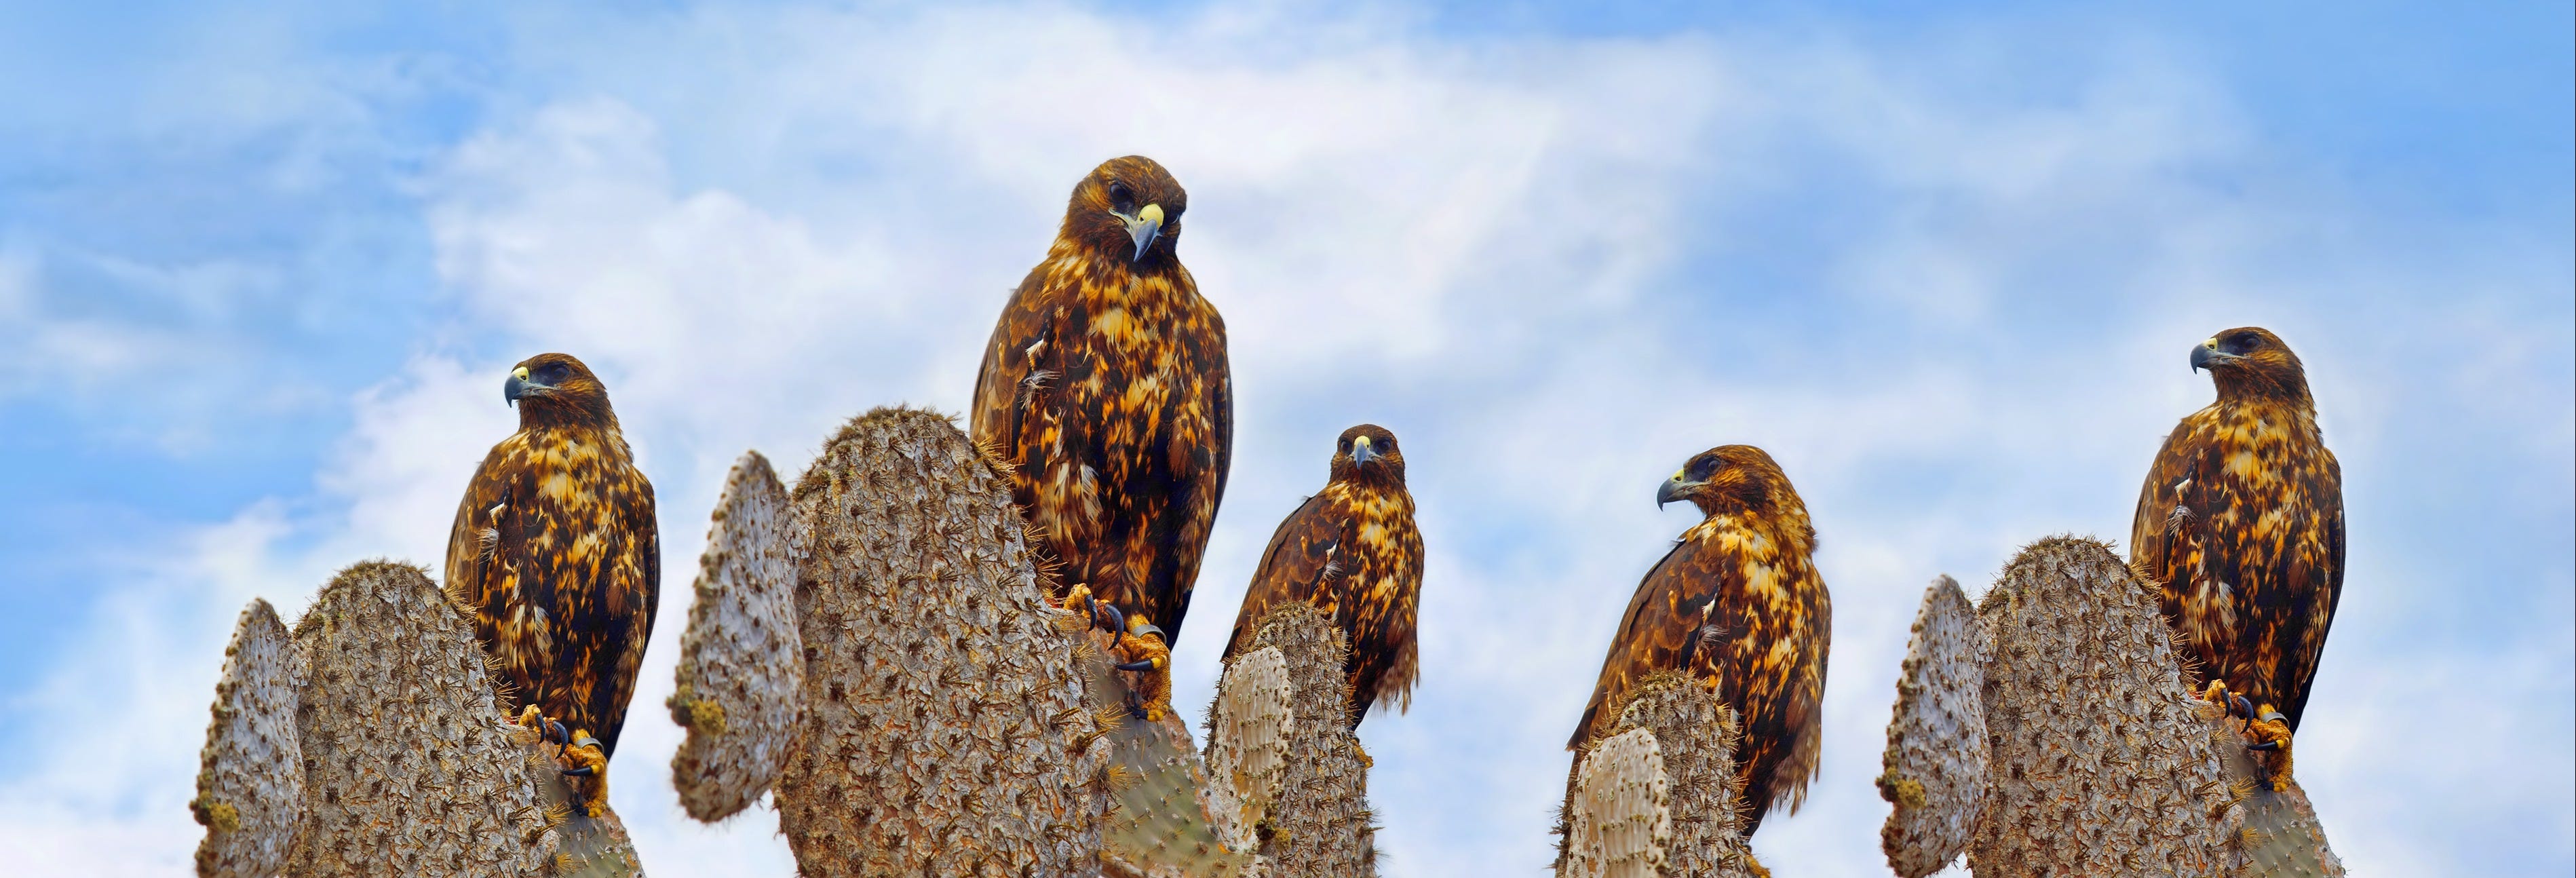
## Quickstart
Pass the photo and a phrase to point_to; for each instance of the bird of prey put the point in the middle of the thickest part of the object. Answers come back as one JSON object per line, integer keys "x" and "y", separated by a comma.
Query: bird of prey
{"x": 1351, "y": 550}
{"x": 1739, "y": 606}
{"x": 556, "y": 555}
{"x": 1106, "y": 392}
{"x": 2241, "y": 523}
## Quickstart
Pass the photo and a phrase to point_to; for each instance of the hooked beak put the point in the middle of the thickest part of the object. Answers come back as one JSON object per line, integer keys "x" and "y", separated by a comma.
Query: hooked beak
{"x": 1362, "y": 452}
{"x": 1672, "y": 490}
{"x": 1144, "y": 227}
{"x": 2207, "y": 355}
{"x": 517, "y": 387}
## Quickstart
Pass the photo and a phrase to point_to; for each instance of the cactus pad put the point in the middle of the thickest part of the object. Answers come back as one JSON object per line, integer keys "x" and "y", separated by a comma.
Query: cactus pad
{"x": 1935, "y": 766}
{"x": 251, "y": 778}
{"x": 742, "y": 662}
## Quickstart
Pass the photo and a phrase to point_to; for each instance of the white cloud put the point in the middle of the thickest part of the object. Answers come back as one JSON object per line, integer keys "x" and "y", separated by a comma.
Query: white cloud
{"x": 755, "y": 224}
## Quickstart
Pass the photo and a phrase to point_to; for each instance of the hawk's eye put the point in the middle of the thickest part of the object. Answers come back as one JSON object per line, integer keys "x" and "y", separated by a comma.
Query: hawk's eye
{"x": 1389, "y": 442}
{"x": 551, "y": 373}
{"x": 1121, "y": 197}
{"x": 1701, "y": 469}
{"x": 1346, "y": 446}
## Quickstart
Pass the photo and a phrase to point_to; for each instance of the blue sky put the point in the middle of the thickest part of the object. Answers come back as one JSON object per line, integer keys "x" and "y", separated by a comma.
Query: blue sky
{"x": 259, "y": 269}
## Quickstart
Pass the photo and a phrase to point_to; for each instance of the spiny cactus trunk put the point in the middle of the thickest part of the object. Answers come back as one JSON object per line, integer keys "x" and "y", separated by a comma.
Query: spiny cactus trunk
{"x": 1318, "y": 823}
{"x": 1172, "y": 820}
{"x": 742, "y": 661}
{"x": 2101, "y": 761}
{"x": 944, "y": 728}
{"x": 410, "y": 768}
{"x": 1935, "y": 766}
{"x": 250, "y": 782}
{"x": 1621, "y": 810}
{"x": 1695, "y": 738}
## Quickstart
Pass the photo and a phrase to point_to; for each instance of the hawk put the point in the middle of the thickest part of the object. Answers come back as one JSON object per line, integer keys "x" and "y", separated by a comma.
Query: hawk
{"x": 1739, "y": 606}
{"x": 1351, "y": 550}
{"x": 2241, "y": 523}
{"x": 556, "y": 555}
{"x": 1106, "y": 390}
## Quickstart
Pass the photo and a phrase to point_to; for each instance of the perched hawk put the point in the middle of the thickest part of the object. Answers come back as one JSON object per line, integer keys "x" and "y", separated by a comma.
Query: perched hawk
{"x": 556, "y": 554}
{"x": 2241, "y": 521}
{"x": 1105, "y": 387}
{"x": 1352, "y": 551}
{"x": 1739, "y": 604}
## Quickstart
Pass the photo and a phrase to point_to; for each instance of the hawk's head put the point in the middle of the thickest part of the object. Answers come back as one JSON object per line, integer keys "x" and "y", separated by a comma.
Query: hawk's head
{"x": 557, "y": 389}
{"x": 1732, "y": 478}
{"x": 2251, "y": 361}
{"x": 1367, "y": 454}
{"x": 1127, "y": 212}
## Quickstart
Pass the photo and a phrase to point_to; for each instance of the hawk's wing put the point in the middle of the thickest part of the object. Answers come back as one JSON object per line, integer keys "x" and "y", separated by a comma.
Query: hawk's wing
{"x": 1301, "y": 558}
{"x": 1663, "y": 618}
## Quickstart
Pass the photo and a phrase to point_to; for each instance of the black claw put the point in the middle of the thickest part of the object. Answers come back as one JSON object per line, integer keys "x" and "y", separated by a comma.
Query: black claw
{"x": 2267, "y": 745}
{"x": 584, "y": 771}
{"x": 555, "y": 732}
{"x": 1145, "y": 665}
{"x": 2237, "y": 705}
{"x": 1135, "y": 711}
{"x": 1104, "y": 610}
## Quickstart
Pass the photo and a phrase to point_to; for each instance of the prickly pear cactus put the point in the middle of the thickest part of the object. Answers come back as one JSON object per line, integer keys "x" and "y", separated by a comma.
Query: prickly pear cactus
{"x": 1248, "y": 739}
{"x": 742, "y": 661}
{"x": 409, "y": 767}
{"x": 1696, "y": 737}
{"x": 1935, "y": 766}
{"x": 2278, "y": 832}
{"x": 1319, "y": 824}
{"x": 1622, "y": 814}
{"x": 944, "y": 729}
{"x": 1167, "y": 821}
{"x": 2100, "y": 761}
{"x": 251, "y": 776}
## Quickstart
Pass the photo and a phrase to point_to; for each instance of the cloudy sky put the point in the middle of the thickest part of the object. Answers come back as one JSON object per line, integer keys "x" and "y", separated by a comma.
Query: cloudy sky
{"x": 261, "y": 272}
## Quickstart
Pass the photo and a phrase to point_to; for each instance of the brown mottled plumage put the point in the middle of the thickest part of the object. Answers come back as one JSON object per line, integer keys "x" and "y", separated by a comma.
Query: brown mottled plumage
{"x": 1105, "y": 386}
{"x": 556, "y": 554}
{"x": 1352, "y": 551}
{"x": 1739, "y": 604}
{"x": 2241, "y": 521}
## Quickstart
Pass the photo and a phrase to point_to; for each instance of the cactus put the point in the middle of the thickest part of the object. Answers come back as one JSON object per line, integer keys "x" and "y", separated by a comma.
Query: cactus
{"x": 1935, "y": 766}
{"x": 742, "y": 662}
{"x": 409, "y": 766}
{"x": 252, "y": 777}
{"x": 1319, "y": 824}
{"x": 2278, "y": 831}
{"x": 944, "y": 728}
{"x": 1622, "y": 813}
{"x": 1170, "y": 821}
{"x": 1695, "y": 736}
{"x": 2100, "y": 759}
{"x": 1248, "y": 727}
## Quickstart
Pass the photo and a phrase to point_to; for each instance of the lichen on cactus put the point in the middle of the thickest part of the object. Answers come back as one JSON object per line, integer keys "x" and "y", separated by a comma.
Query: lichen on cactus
{"x": 1934, "y": 771}
{"x": 2099, "y": 759}
{"x": 742, "y": 661}
{"x": 944, "y": 728}
{"x": 410, "y": 768}
{"x": 1319, "y": 824}
{"x": 1621, "y": 815}
{"x": 250, "y": 780}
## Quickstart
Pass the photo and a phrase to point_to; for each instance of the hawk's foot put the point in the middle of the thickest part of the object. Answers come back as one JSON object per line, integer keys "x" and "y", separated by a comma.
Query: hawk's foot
{"x": 584, "y": 765}
{"x": 2268, "y": 731}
